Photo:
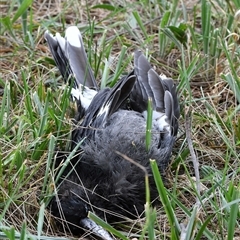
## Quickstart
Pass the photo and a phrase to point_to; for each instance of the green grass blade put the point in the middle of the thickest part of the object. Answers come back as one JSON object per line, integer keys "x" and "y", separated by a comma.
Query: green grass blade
{"x": 64, "y": 104}
{"x": 28, "y": 104}
{"x": 234, "y": 84}
{"x": 40, "y": 220}
{"x": 7, "y": 23}
{"x": 23, "y": 234}
{"x": 4, "y": 108}
{"x": 191, "y": 224}
{"x": 51, "y": 150}
{"x": 162, "y": 37}
{"x": 105, "y": 74}
{"x": 206, "y": 20}
{"x": 67, "y": 161}
{"x": 234, "y": 212}
{"x": 106, "y": 226}
{"x": 25, "y": 4}
{"x": 149, "y": 124}
{"x": 171, "y": 36}
{"x": 175, "y": 227}
{"x": 203, "y": 227}
{"x": 121, "y": 65}
{"x": 140, "y": 23}
{"x": 44, "y": 115}
{"x": 24, "y": 19}
{"x": 151, "y": 216}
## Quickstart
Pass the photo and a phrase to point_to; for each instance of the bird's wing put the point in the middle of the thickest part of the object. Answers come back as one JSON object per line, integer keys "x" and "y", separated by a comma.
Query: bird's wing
{"x": 162, "y": 92}
{"x": 171, "y": 88}
{"x": 103, "y": 105}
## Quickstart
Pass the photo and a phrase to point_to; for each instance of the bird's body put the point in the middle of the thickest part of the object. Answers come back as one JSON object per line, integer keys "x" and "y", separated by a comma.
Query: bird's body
{"x": 101, "y": 178}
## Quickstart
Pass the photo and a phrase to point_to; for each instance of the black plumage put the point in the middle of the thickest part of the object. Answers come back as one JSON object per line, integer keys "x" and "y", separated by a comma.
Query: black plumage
{"x": 100, "y": 179}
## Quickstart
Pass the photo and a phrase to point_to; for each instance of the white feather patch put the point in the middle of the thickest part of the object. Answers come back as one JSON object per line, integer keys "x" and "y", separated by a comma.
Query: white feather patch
{"x": 73, "y": 36}
{"x": 163, "y": 76}
{"x": 159, "y": 120}
{"x": 104, "y": 110}
{"x": 85, "y": 95}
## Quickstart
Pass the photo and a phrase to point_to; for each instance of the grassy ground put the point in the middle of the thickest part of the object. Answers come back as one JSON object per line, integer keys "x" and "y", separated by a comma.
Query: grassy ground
{"x": 197, "y": 43}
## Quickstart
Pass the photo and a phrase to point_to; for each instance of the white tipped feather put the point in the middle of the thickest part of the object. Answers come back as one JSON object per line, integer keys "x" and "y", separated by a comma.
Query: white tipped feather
{"x": 77, "y": 58}
{"x": 71, "y": 59}
{"x": 74, "y": 37}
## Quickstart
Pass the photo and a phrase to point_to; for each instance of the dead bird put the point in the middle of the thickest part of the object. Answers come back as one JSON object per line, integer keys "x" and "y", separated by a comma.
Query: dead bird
{"x": 113, "y": 126}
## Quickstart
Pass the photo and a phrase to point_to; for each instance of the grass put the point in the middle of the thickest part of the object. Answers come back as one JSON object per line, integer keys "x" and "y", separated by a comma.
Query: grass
{"x": 197, "y": 44}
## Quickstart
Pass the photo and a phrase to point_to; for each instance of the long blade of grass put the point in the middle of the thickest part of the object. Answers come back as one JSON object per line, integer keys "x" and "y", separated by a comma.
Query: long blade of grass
{"x": 4, "y": 106}
{"x": 171, "y": 36}
{"x": 66, "y": 162}
{"x": 119, "y": 68}
{"x": 106, "y": 226}
{"x": 151, "y": 216}
{"x": 191, "y": 224}
{"x": 234, "y": 212}
{"x": 203, "y": 227}
{"x": 105, "y": 74}
{"x": 140, "y": 23}
{"x": 206, "y": 20}
{"x": 161, "y": 36}
{"x": 28, "y": 104}
{"x": 64, "y": 105}
{"x": 234, "y": 84}
{"x": 40, "y": 220}
{"x": 51, "y": 150}
{"x": 175, "y": 227}
{"x": 25, "y": 4}
{"x": 44, "y": 116}
{"x": 149, "y": 124}
{"x": 24, "y": 19}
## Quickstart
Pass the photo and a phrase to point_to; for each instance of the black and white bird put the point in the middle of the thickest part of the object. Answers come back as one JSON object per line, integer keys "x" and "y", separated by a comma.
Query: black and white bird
{"x": 113, "y": 125}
